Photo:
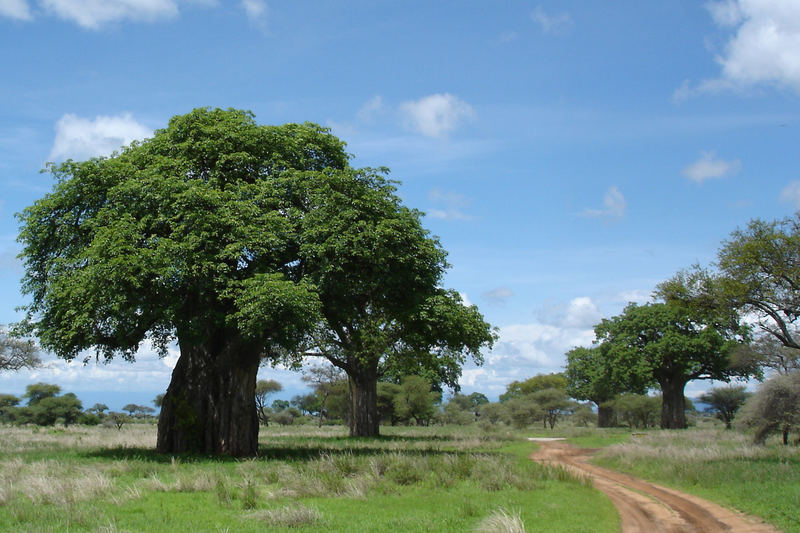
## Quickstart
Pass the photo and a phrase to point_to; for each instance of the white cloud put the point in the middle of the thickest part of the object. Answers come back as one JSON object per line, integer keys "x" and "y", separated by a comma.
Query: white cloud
{"x": 81, "y": 138}
{"x": 582, "y": 313}
{"x": 371, "y": 107}
{"x": 498, "y": 296}
{"x": 708, "y": 166}
{"x": 256, "y": 10}
{"x": 765, "y": 47}
{"x": 791, "y": 194}
{"x": 465, "y": 299}
{"x": 636, "y": 295}
{"x": 436, "y": 115}
{"x": 451, "y": 205}
{"x": 94, "y": 13}
{"x": 614, "y": 205}
{"x": 522, "y": 351}
{"x": 15, "y": 9}
{"x": 682, "y": 93}
{"x": 551, "y": 23}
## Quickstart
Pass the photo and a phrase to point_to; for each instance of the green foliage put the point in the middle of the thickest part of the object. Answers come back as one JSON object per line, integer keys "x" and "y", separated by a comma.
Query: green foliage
{"x": 760, "y": 275}
{"x": 725, "y": 401}
{"x": 583, "y": 415}
{"x": 414, "y": 399}
{"x": 637, "y": 410}
{"x": 774, "y": 408}
{"x": 186, "y": 230}
{"x": 37, "y": 392}
{"x": 518, "y": 389}
{"x": 387, "y": 392}
{"x": 669, "y": 344}
{"x": 493, "y": 412}
{"x": 590, "y": 377}
{"x": 553, "y": 403}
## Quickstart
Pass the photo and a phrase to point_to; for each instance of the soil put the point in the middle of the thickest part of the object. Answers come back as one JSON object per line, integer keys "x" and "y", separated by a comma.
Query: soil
{"x": 646, "y": 507}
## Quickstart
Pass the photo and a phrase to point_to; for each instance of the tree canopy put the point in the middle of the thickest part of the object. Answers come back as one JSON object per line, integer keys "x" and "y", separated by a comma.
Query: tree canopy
{"x": 668, "y": 344}
{"x": 191, "y": 235}
{"x": 244, "y": 243}
{"x": 518, "y": 389}
{"x": 760, "y": 274}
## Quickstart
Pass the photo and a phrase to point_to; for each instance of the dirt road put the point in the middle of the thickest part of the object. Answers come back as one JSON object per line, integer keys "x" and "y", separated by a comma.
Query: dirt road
{"x": 646, "y": 507}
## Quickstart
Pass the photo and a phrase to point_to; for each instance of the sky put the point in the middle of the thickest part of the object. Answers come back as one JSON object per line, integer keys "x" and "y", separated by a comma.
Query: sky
{"x": 569, "y": 155}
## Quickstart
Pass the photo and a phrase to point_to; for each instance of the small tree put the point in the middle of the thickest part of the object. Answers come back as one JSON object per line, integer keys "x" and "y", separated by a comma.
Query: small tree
{"x": 39, "y": 391}
{"x": 16, "y": 354}
{"x": 98, "y": 408}
{"x": 583, "y": 415}
{"x": 725, "y": 401}
{"x": 522, "y": 412}
{"x": 492, "y": 412}
{"x": 415, "y": 400}
{"x": 774, "y": 408}
{"x": 118, "y": 419}
{"x": 7, "y": 401}
{"x": 637, "y": 410}
{"x": 322, "y": 379}
{"x": 47, "y": 411}
{"x": 553, "y": 404}
{"x": 518, "y": 389}
{"x": 265, "y": 388}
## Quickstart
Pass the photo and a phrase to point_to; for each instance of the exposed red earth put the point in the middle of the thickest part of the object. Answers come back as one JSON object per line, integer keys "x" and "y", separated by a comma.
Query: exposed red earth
{"x": 646, "y": 507}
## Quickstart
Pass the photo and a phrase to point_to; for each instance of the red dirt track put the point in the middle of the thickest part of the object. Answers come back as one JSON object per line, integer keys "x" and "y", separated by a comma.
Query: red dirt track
{"x": 646, "y": 507}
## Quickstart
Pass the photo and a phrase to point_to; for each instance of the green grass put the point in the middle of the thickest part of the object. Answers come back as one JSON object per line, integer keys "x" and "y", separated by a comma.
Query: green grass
{"x": 721, "y": 466}
{"x": 307, "y": 479}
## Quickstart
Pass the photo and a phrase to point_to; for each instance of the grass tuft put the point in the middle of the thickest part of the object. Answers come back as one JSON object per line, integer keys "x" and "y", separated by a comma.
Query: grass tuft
{"x": 289, "y": 516}
{"x": 501, "y": 521}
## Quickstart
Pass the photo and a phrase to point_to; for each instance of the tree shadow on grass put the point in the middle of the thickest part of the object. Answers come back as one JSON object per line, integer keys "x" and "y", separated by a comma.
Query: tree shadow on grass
{"x": 305, "y": 449}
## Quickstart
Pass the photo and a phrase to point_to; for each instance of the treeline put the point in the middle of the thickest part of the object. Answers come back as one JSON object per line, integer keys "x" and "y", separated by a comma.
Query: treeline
{"x": 46, "y": 406}
{"x": 735, "y": 320}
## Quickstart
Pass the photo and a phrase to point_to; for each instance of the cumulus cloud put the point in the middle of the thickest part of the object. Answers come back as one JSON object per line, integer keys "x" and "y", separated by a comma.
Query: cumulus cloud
{"x": 614, "y": 206}
{"x": 450, "y": 205}
{"x": 465, "y": 299}
{"x": 765, "y": 46}
{"x": 81, "y": 138}
{"x": 551, "y": 23}
{"x": 94, "y": 13}
{"x": 582, "y": 313}
{"x": 498, "y": 296}
{"x": 436, "y": 115}
{"x": 15, "y": 9}
{"x": 791, "y": 194}
{"x": 709, "y": 166}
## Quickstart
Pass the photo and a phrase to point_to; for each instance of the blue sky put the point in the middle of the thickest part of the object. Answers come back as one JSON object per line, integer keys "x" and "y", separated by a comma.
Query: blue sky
{"x": 570, "y": 155}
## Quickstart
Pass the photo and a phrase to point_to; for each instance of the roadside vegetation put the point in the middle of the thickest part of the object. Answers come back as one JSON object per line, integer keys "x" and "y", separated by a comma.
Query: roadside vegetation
{"x": 719, "y": 465}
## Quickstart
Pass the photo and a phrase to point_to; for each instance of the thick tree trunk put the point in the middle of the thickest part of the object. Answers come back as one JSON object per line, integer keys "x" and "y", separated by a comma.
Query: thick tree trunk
{"x": 210, "y": 405}
{"x": 673, "y": 406}
{"x": 364, "y": 420}
{"x": 605, "y": 416}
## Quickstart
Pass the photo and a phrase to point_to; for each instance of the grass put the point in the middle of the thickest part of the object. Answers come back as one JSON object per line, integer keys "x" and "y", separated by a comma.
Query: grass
{"x": 719, "y": 465}
{"x": 307, "y": 479}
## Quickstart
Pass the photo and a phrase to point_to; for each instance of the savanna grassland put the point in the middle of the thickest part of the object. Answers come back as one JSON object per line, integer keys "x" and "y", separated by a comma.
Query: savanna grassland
{"x": 306, "y": 479}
